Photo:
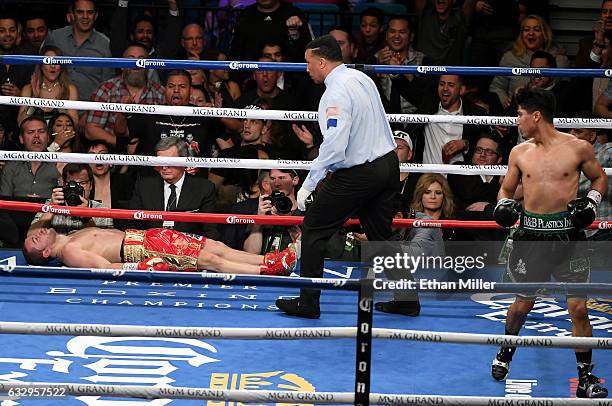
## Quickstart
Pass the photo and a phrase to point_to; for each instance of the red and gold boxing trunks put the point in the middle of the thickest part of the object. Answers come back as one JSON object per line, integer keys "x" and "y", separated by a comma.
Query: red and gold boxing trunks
{"x": 177, "y": 249}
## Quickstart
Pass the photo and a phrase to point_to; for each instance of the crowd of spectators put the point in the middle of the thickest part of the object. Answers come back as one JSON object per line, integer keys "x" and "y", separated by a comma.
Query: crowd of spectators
{"x": 440, "y": 32}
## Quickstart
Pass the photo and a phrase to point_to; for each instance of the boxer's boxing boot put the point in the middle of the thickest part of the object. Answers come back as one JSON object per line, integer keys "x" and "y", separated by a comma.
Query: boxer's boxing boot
{"x": 589, "y": 386}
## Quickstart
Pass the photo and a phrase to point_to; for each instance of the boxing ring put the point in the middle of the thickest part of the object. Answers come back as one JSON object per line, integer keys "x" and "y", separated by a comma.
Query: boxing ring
{"x": 112, "y": 338}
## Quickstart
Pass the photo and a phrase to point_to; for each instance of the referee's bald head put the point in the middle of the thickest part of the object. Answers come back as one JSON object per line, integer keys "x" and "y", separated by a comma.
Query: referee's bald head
{"x": 326, "y": 47}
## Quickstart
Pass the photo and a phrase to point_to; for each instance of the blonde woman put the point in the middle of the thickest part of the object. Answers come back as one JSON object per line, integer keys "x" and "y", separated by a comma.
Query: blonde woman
{"x": 433, "y": 196}
{"x": 535, "y": 35}
{"x": 49, "y": 82}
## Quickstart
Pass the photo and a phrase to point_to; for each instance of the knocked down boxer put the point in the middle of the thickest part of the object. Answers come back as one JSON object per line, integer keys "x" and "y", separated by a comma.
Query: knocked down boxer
{"x": 156, "y": 249}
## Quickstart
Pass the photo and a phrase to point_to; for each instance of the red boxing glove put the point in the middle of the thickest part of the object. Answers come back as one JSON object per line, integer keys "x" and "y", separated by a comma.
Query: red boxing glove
{"x": 155, "y": 264}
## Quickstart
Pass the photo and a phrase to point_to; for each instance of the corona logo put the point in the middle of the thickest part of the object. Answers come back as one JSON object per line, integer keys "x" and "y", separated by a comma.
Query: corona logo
{"x": 141, "y": 215}
{"x": 605, "y": 225}
{"x": 425, "y": 69}
{"x": 49, "y": 60}
{"x": 426, "y": 224}
{"x": 241, "y": 65}
{"x": 522, "y": 71}
{"x": 608, "y": 73}
{"x": 50, "y": 209}
{"x": 365, "y": 304}
{"x": 238, "y": 220}
{"x": 143, "y": 63}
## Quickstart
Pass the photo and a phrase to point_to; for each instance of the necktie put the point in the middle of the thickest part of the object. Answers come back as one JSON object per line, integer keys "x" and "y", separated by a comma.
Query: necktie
{"x": 171, "y": 206}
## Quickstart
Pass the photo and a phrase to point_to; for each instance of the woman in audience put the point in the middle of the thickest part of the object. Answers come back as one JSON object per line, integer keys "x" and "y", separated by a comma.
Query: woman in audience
{"x": 535, "y": 35}
{"x": 218, "y": 82}
{"x": 114, "y": 190}
{"x": 49, "y": 82}
{"x": 200, "y": 97}
{"x": 64, "y": 137}
{"x": 433, "y": 196}
{"x": 197, "y": 77}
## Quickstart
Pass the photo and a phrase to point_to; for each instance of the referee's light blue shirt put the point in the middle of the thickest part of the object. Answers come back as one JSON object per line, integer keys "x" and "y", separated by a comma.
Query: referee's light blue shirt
{"x": 353, "y": 122}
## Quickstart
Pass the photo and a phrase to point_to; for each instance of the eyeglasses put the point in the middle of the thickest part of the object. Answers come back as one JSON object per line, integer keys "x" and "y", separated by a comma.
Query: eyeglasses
{"x": 485, "y": 151}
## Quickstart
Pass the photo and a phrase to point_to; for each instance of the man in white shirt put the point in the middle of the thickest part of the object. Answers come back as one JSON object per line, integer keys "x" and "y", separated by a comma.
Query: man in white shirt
{"x": 438, "y": 143}
{"x": 443, "y": 141}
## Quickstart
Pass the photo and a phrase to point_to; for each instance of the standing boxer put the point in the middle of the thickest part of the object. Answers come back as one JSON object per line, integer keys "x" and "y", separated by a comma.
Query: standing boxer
{"x": 552, "y": 221}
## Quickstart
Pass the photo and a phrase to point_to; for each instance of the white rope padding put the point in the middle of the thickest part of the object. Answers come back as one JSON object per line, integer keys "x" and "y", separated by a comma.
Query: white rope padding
{"x": 267, "y": 396}
{"x": 231, "y": 163}
{"x": 281, "y": 114}
{"x": 235, "y": 333}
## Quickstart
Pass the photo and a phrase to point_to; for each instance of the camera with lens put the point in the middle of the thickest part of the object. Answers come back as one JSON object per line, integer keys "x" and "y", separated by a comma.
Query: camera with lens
{"x": 281, "y": 203}
{"x": 72, "y": 193}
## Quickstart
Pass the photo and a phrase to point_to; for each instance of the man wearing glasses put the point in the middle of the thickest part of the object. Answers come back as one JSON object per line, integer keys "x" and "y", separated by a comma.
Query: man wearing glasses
{"x": 77, "y": 181}
{"x": 474, "y": 194}
{"x": 192, "y": 41}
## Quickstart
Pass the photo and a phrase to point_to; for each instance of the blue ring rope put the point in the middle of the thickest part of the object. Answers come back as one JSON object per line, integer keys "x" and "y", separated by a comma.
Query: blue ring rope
{"x": 295, "y": 67}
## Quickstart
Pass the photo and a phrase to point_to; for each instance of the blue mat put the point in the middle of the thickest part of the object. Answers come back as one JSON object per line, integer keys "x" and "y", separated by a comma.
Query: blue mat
{"x": 308, "y": 365}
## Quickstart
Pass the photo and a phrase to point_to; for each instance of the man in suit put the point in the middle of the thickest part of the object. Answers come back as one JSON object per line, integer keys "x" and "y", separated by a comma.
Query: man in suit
{"x": 476, "y": 192}
{"x": 175, "y": 190}
{"x": 475, "y": 196}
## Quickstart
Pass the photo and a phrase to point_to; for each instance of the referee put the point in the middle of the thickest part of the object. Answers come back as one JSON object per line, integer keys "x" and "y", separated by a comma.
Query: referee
{"x": 358, "y": 152}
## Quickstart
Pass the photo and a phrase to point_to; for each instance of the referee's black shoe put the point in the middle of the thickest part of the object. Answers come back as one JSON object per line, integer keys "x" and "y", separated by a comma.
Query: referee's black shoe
{"x": 407, "y": 308}
{"x": 299, "y": 307}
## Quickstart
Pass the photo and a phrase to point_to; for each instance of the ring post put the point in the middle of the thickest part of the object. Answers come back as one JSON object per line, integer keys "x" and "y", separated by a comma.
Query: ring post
{"x": 364, "y": 341}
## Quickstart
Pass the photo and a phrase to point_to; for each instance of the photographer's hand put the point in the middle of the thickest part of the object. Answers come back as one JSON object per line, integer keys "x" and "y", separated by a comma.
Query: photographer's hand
{"x": 84, "y": 202}
{"x": 57, "y": 196}
{"x": 265, "y": 205}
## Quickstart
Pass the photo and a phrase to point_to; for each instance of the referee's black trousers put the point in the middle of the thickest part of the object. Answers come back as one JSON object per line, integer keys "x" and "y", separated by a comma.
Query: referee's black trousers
{"x": 366, "y": 191}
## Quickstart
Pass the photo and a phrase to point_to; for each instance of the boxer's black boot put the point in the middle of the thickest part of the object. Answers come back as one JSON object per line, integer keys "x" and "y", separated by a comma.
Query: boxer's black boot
{"x": 589, "y": 386}
{"x": 501, "y": 363}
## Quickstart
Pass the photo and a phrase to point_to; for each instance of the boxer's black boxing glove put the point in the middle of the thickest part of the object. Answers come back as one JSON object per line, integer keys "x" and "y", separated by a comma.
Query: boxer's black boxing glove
{"x": 582, "y": 211}
{"x": 507, "y": 212}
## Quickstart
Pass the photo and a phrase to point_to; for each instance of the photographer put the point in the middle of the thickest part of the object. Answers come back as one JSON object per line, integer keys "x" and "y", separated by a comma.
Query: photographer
{"x": 77, "y": 180}
{"x": 281, "y": 202}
